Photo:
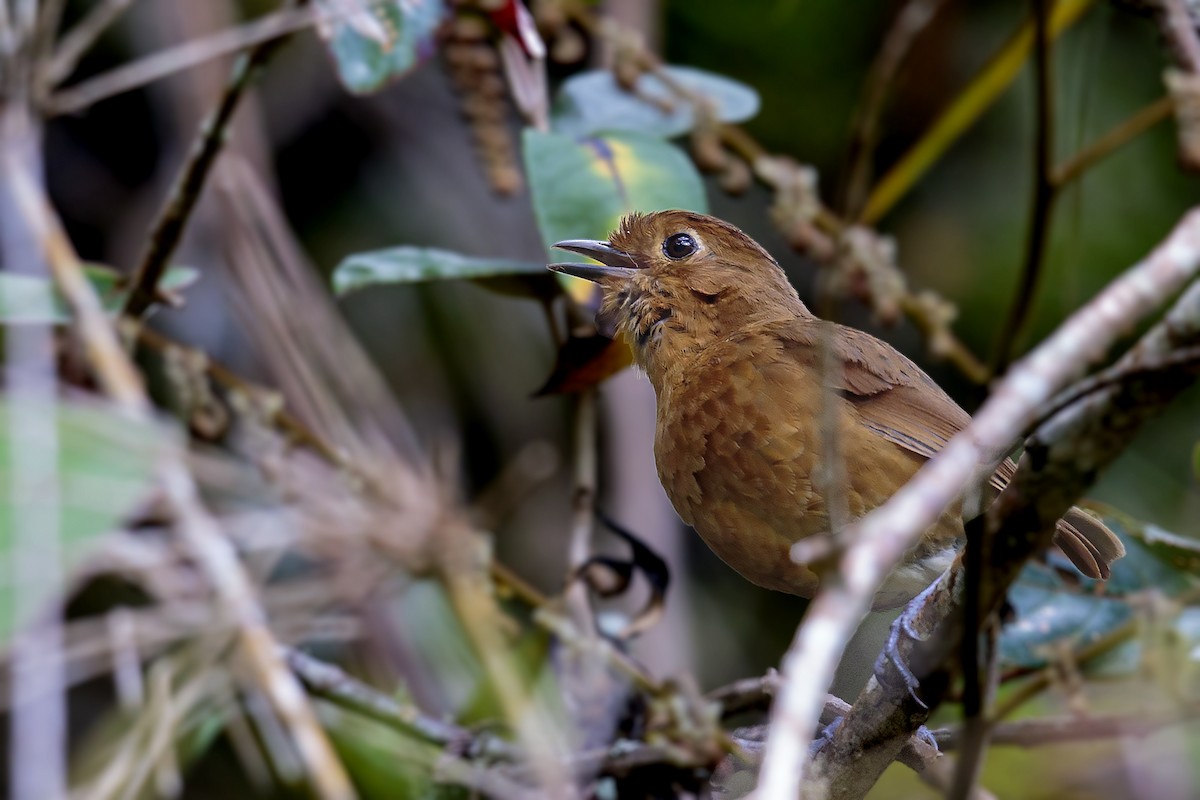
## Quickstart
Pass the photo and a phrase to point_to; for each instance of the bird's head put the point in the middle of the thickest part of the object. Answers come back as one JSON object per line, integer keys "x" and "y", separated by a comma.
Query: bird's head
{"x": 677, "y": 280}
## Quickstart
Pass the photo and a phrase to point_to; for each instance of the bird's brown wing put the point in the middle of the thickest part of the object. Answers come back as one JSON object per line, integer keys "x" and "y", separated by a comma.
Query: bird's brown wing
{"x": 892, "y": 395}
{"x": 898, "y": 401}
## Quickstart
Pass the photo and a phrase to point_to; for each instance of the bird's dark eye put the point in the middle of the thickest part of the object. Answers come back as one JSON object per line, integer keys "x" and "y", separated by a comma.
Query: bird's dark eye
{"x": 679, "y": 245}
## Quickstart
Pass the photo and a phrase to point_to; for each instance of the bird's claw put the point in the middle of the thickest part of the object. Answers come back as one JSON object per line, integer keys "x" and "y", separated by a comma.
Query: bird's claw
{"x": 825, "y": 737}
{"x": 926, "y": 736}
{"x": 891, "y": 652}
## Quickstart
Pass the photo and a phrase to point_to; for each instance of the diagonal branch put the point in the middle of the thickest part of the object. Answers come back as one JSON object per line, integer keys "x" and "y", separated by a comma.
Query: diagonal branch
{"x": 1061, "y": 459}
{"x": 883, "y": 536}
{"x": 168, "y": 228}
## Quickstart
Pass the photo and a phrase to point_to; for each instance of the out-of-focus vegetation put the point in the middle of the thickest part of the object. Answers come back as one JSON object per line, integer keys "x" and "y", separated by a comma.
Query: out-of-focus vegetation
{"x": 400, "y": 427}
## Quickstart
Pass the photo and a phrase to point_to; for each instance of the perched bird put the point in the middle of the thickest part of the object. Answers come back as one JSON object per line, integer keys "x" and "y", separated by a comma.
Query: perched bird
{"x": 736, "y": 362}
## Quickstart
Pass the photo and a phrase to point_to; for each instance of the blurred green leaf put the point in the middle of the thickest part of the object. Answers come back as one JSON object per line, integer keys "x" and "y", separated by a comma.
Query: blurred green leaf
{"x": 383, "y": 762}
{"x": 29, "y": 299}
{"x": 374, "y": 42}
{"x": 1052, "y": 610}
{"x": 1049, "y": 614}
{"x": 592, "y": 102}
{"x": 92, "y": 465}
{"x": 416, "y": 264}
{"x": 531, "y": 657}
{"x": 1154, "y": 558}
{"x": 582, "y": 186}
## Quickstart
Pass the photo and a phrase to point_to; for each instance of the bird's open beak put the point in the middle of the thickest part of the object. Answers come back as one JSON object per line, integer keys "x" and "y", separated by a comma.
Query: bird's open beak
{"x": 614, "y": 263}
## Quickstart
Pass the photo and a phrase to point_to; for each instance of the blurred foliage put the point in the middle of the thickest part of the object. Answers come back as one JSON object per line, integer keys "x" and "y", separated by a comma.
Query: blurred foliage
{"x": 389, "y": 187}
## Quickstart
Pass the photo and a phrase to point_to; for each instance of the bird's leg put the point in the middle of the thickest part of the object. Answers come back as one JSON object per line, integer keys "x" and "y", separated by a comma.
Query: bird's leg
{"x": 825, "y": 737}
{"x": 904, "y": 625}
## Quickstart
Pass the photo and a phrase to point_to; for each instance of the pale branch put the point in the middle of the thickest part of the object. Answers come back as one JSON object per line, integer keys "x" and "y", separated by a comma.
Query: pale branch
{"x": 881, "y": 538}
{"x": 156, "y": 66}
{"x": 1061, "y": 459}
{"x": 331, "y": 683}
{"x": 79, "y": 39}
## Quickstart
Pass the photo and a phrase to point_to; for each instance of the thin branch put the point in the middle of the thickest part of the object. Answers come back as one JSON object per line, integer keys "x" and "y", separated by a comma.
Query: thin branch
{"x": 79, "y": 39}
{"x": 116, "y": 375}
{"x": 1061, "y": 459}
{"x": 910, "y": 22}
{"x": 331, "y": 683}
{"x": 993, "y": 79}
{"x": 583, "y": 509}
{"x": 1184, "y": 358}
{"x": 1076, "y": 728}
{"x": 31, "y": 479}
{"x": 235, "y": 593}
{"x": 1120, "y": 135}
{"x": 287, "y": 422}
{"x": 157, "y": 66}
{"x": 168, "y": 229}
{"x": 881, "y": 538}
{"x": 1179, "y": 30}
{"x": 199, "y": 531}
{"x": 1044, "y": 192}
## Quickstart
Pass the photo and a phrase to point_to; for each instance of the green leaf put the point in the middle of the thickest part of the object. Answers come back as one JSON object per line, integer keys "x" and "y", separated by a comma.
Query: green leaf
{"x": 383, "y": 761}
{"x": 1154, "y": 559}
{"x": 416, "y": 264}
{"x": 1049, "y": 614}
{"x": 593, "y": 101}
{"x": 582, "y": 186}
{"x": 29, "y": 299}
{"x": 90, "y": 466}
{"x": 374, "y": 42}
{"x": 1052, "y": 610}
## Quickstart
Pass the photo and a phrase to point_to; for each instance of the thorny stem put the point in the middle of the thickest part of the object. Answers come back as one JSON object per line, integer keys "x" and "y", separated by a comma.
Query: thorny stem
{"x": 168, "y": 229}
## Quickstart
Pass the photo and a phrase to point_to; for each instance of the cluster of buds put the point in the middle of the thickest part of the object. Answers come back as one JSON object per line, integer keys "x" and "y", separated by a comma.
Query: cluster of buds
{"x": 475, "y": 69}
{"x": 797, "y": 207}
{"x": 710, "y": 153}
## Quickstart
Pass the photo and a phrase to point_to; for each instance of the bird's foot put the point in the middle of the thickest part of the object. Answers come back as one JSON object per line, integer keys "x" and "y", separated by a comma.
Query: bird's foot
{"x": 825, "y": 737}
{"x": 926, "y": 736}
{"x": 904, "y": 625}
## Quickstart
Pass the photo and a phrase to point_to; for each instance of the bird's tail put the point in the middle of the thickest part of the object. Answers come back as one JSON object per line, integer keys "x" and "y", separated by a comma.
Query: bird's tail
{"x": 1088, "y": 542}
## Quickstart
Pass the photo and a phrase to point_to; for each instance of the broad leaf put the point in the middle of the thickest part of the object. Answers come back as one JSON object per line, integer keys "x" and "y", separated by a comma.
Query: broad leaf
{"x": 1052, "y": 611}
{"x": 582, "y": 186}
{"x": 376, "y": 41}
{"x": 29, "y": 299}
{"x": 1050, "y": 615}
{"x": 417, "y": 264}
{"x": 592, "y": 102}
{"x": 90, "y": 467}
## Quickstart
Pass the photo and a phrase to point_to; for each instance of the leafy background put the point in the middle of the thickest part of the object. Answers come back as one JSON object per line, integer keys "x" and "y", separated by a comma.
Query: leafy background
{"x": 383, "y": 183}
